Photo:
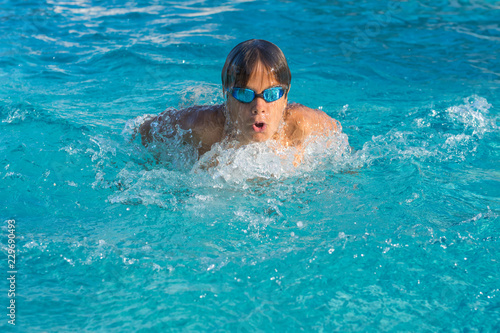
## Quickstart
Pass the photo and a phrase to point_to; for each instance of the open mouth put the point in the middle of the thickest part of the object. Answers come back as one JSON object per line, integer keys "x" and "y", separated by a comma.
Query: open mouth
{"x": 259, "y": 126}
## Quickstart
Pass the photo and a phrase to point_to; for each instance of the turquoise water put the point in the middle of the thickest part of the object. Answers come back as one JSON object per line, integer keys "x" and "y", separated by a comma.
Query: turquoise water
{"x": 399, "y": 234}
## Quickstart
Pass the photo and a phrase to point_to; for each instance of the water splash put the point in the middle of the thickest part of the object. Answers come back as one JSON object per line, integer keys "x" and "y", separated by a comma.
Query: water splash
{"x": 175, "y": 178}
{"x": 168, "y": 144}
{"x": 230, "y": 163}
{"x": 452, "y": 134}
{"x": 159, "y": 187}
{"x": 473, "y": 115}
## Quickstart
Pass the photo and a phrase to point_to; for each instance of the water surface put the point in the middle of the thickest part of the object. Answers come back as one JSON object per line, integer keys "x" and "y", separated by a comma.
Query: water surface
{"x": 398, "y": 234}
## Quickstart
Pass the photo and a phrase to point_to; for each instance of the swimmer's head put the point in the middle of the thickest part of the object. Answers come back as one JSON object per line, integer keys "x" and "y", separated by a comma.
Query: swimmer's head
{"x": 243, "y": 59}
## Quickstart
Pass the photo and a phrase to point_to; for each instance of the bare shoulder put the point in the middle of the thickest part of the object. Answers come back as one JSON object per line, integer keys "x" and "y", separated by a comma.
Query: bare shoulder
{"x": 303, "y": 121}
{"x": 197, "y": 118}
{"x": 205, "y": 123}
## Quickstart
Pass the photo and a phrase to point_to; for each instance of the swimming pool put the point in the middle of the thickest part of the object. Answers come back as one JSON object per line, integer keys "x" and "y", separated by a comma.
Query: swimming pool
{"x": 400, "y": 234}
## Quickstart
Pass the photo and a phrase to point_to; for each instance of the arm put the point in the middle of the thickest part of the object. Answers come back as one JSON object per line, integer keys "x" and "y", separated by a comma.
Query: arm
{"x": 204, "y": 126}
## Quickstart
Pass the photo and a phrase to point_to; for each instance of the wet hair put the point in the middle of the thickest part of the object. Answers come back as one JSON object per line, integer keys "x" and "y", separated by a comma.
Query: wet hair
{"x": 244, "y": 57}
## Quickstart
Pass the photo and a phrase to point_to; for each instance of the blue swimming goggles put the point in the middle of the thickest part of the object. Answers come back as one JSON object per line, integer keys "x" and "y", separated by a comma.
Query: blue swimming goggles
{"x": 245, "y": 95}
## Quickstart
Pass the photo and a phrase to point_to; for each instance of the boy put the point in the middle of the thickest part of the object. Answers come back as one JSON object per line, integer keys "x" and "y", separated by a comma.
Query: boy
{"x": 255, "y": 82}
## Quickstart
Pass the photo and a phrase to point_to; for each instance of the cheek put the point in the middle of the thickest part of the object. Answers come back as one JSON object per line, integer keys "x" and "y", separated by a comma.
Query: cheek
{"x": 232, "y": 108}
{"x": 235, "y": 109}
{"x": 279, "y": 110}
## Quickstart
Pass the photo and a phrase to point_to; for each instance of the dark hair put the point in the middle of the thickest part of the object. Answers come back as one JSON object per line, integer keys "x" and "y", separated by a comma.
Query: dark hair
{"x": 243, "y": 58}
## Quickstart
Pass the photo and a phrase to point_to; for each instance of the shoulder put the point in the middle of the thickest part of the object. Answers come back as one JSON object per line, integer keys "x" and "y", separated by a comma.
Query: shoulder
{"x": 199, "y": 116}
{"x": 204, "y": 122}
{"x": 303, "y": 121}
{"x": 194, "y": 118}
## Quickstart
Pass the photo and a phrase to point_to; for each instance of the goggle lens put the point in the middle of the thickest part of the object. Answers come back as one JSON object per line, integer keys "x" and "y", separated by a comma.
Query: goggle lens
{"x": 272, "y": 94}
{"x": 247, "y": 95}
{"x": 243, "y": 95}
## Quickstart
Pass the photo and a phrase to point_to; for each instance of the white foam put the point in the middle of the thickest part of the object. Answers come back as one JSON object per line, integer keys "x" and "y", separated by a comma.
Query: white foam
{"x": 131, "y": 128}
{"x": 431, "y": 138}
{"x": 253, "y": 161}
{"x": 473, "y": 115}
{"x": 230, "y": 163}
{"x": 15, "y": 115}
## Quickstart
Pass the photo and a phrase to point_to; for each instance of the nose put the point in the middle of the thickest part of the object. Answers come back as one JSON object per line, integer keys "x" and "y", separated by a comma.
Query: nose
{"x": 259, "y": 106}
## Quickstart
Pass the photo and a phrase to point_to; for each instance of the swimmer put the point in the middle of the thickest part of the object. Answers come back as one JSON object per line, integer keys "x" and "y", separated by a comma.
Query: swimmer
{"x": 255, "y": 84}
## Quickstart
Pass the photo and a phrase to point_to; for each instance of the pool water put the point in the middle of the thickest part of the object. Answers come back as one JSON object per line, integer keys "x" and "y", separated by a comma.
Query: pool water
{"x": 398, "y": 230}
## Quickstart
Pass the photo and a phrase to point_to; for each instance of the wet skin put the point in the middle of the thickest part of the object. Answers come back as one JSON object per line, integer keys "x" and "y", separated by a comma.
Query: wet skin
{"x": 287, "y": 124}
{"x": 258, "y": 120}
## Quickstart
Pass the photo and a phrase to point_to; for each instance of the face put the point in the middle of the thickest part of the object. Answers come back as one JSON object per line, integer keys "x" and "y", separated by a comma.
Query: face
{"x": 258, "y": 120}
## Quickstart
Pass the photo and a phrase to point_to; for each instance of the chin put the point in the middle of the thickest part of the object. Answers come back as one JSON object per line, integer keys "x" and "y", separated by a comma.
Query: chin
{"x": 260, "y": 137}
